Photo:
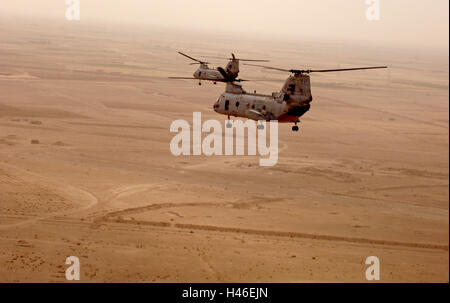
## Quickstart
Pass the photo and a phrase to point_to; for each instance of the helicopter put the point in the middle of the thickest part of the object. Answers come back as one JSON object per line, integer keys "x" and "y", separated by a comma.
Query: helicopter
{"x": 220, "y": 74}
{"x": 286, "y": 106}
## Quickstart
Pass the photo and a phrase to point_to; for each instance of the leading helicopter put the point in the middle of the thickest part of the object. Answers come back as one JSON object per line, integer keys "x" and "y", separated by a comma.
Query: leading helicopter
{"x": 219, "y": 74}
{"x": 286, "y": 106}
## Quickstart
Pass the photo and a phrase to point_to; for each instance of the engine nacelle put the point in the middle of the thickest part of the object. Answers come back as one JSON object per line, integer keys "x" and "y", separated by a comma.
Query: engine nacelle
{"x": 297, "y": 89}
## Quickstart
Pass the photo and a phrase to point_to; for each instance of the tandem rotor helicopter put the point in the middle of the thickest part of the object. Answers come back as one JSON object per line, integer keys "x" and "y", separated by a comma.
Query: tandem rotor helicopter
{"x": 286, "y": 106}
{"x": 219, "y": 74}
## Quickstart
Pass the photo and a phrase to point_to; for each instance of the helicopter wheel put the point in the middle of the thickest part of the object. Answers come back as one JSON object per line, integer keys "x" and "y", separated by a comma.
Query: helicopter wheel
{"x": 229, "y": 125}
{"x": 295, "y": 128}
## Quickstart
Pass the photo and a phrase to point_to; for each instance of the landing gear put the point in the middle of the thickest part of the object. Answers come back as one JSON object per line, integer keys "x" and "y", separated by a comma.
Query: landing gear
{"x": 295, "y": 128}
{"x": 229, "y": 125}
{"x": 199, "y": 83}
{"x": 215, "y": 83}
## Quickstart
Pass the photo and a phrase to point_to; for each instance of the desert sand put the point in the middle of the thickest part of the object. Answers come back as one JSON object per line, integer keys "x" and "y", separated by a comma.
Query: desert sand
{"x": 86, "y": 169}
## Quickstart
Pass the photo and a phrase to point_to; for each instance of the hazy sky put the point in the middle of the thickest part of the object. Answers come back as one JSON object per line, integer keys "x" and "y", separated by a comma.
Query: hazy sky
{"x": 421, "y": 23}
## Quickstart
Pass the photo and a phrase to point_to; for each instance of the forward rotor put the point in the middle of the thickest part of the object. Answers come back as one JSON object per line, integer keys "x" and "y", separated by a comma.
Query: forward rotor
{"x": 234, "y": 58}
{"x": 308, "y": 71}
{"x": 193, "y": 59}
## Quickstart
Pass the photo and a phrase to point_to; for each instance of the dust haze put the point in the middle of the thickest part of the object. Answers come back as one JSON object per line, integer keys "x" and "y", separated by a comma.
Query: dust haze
{"x": 403, "y": 23}
{"x": 86, "y": 169}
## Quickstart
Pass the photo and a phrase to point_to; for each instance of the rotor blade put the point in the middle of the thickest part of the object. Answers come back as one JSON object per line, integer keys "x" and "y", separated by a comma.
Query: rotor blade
{"x": 237, "y": 59}
{"x": 183, "y": 78}
{"x": 215, "y": 57}
{"x": 317, "y": 70}
{"x": 202, "y": 79}
{"x": 253, "y": 60}
{"x": 269, "y": 67}
{"x": 267, "y": 80}
{"x": 343, "y": 69}
{"x": 190, "y": 57}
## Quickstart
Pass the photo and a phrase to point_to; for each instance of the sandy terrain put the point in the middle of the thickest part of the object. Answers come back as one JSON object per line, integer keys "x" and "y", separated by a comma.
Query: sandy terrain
{"x": 86, "y": 170}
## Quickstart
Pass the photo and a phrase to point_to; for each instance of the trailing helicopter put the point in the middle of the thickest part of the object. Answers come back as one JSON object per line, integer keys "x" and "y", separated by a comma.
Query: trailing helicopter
{"x": 219, "y": 74}
{"x": 286, "y": 106}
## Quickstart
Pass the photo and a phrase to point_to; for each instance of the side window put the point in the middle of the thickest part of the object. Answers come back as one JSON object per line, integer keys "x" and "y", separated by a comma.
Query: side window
{"x": 237, "y": 104}
{"x": 227, "y": 104}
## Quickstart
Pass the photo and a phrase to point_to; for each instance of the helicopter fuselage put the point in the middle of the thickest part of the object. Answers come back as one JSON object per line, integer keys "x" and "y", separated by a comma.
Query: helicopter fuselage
{"x": 206, "y": 73}
{"x": 259, "y": 107}
{"x": 230, "y": 73}
{"x": 286, "y": 106}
